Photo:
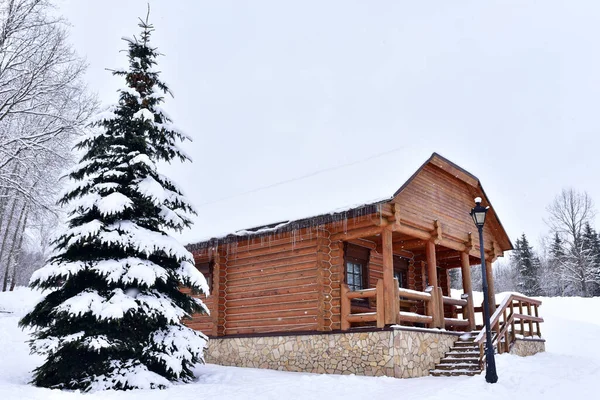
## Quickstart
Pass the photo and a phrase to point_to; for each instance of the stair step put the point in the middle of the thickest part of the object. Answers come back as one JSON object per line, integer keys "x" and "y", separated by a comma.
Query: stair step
{"x": 437, "y": 372}
{"x": 462, "y": 343}
{"x": 458, "y": 366}
{"x": 463, "y": 354}
{"x": 454, "y": 360}
{"x": 463, "y": 349}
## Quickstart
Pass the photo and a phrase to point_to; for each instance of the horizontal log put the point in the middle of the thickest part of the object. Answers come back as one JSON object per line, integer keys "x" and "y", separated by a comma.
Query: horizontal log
{"x": 253, "y": 286}
{"x": 525, "y": 300}
{"x": 283, "y": 301}
{"x": 362, "y": 294}
{"x": 269, "y": 322}
{"x": 456, "y": 322}
{"x": 202, "y": 327}
{"x": 454, "y": 302}
{"x": 273, "y": 271}
{"x": 357, "y": 233}
{"x": 528, "y": 317}
{"x": 410, "y": 231}
{"x": 364, "y": 243}
{"x": 362, "y": 317}
{"x": 272, "y": 255}
{"x": 266, "y": 293}
{"x": 414, "y": 295}
{"x": 281, "y": 244}
{"x": 261, "y": 315}
{"x": 263, "y": 266}
{"x": 415, "y": 318}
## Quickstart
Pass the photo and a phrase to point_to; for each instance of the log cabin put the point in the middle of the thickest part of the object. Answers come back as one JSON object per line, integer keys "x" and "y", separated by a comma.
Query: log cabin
{"x": 365, "y": 289}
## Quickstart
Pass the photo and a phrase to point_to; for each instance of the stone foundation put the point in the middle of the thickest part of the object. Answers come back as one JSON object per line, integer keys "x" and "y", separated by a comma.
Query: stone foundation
{"x": 528, "y": 347}
{"x": 399, "y": 353}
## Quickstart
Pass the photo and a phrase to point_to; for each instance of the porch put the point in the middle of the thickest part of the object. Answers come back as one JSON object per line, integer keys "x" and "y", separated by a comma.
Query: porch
{"x": 424, "y": 299}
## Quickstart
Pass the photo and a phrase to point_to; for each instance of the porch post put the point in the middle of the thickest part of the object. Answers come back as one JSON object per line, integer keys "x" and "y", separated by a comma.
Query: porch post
{"x": 432, "y": 276}
{"x": 390, "y": 304}
{"x": 490, "y": 281}
{"x": 467, "y": 288}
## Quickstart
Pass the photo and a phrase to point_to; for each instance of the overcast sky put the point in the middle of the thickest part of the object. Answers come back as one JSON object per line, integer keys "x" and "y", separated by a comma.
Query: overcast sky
{"x": 273, "y": 90}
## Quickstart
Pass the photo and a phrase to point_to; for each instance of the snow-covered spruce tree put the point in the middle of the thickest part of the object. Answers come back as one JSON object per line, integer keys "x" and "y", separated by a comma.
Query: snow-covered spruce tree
{"x": 527, "y": 266}
{"x": 114, "y": 318}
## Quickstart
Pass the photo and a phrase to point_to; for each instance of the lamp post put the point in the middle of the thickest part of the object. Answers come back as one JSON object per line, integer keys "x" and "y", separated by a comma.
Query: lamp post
{"x": 478, "y": 214}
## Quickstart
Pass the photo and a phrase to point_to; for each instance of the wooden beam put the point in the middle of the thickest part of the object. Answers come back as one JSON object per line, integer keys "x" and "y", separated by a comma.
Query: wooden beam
{"x": 468, "y": 289}
{"x": 390, "y": 304}
{"x": 380, "y": 304}
{"x": 434, "y": 304}
{"x": 410, "y": 231}
{"x": 395, "y": 218}
{"x": 417, "y": 233}
{"x": 379, "y": 220}
{"x": 431, "y": 264}
{"x": 445, "y": 255}
{"x": 437, "y": 232}
{"x": 410, "y": 244}
{"x": 386, "y": 209}
{"x": 357, "y": 233}
{"x": 469, "y": 244}
{"x": 364, "y": 243}
{"x": 344, "y": 307}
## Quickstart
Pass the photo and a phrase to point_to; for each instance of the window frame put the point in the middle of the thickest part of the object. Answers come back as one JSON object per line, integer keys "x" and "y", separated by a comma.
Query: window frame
{"x": 357, "y": 255}
{"x": 207, "y": 269}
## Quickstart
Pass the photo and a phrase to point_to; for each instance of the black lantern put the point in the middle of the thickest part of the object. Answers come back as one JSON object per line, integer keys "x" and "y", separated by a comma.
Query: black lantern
{"x": 478, "y": 214}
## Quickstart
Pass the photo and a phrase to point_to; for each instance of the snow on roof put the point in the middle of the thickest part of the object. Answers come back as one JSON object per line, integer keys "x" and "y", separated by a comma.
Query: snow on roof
{"x": 334, "y": 190}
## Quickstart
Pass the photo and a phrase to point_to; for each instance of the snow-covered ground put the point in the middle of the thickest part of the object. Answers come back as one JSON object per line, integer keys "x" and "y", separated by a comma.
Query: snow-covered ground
{"x": 570, "y": 369}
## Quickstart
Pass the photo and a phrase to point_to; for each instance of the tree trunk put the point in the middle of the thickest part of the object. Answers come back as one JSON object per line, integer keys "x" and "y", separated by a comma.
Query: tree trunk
{"x": 3, "y": 247}
{"x": 20, "y": 253}
{"x": 4, "y": 199}
{"x": 19, "y": 230}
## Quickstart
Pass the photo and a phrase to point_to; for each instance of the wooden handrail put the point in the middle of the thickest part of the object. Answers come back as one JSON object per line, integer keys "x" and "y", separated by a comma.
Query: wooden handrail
{"x": 414, "y": 295}
{"x": 347, "y": 318}
{"x": 454, "y": 302}
{"x": 362, "y": 294}
{"x": 503, "y": 322}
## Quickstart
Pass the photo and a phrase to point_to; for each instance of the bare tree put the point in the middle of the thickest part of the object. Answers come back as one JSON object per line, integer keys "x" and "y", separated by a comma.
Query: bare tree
{"x": 568, "y": 215}
{"x": 44, "y": 107}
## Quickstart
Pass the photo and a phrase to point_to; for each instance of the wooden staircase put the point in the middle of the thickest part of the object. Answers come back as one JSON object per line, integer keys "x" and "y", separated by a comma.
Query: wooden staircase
{"x": 516, "y": 315}
{"x": 461, "y": 360}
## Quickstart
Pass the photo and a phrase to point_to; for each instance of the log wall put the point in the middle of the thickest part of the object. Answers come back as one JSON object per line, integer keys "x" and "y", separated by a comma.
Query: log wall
{"x": 290, "y": 281}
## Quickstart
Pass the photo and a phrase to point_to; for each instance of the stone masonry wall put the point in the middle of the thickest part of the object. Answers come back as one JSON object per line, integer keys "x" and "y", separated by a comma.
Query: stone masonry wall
{"x": 528, "y": 347}
{"x": 397, "y": 353}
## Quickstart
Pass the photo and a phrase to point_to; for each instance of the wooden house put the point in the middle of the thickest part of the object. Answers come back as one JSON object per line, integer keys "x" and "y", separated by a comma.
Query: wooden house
{"x": 365, "y": 289}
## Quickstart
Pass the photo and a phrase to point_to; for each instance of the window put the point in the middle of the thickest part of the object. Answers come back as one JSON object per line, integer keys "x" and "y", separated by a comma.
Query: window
{"x": 354, "y": 275}
{"x": 356, "y": 261}
{"x": 398, "y": 275}
{"x": 207, "y": 271}
{"x": 401, "y": 271}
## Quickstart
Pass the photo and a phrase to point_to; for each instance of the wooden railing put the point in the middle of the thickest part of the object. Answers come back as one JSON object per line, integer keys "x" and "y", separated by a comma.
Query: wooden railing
{"x": 433, "y": 302}
{"x": 503, "y": 324}
{"x": 434, "y": 316}
{"x": 466, "y": 322}
{"x": 425, "y": 297}
{"x": 347, "y": 318}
